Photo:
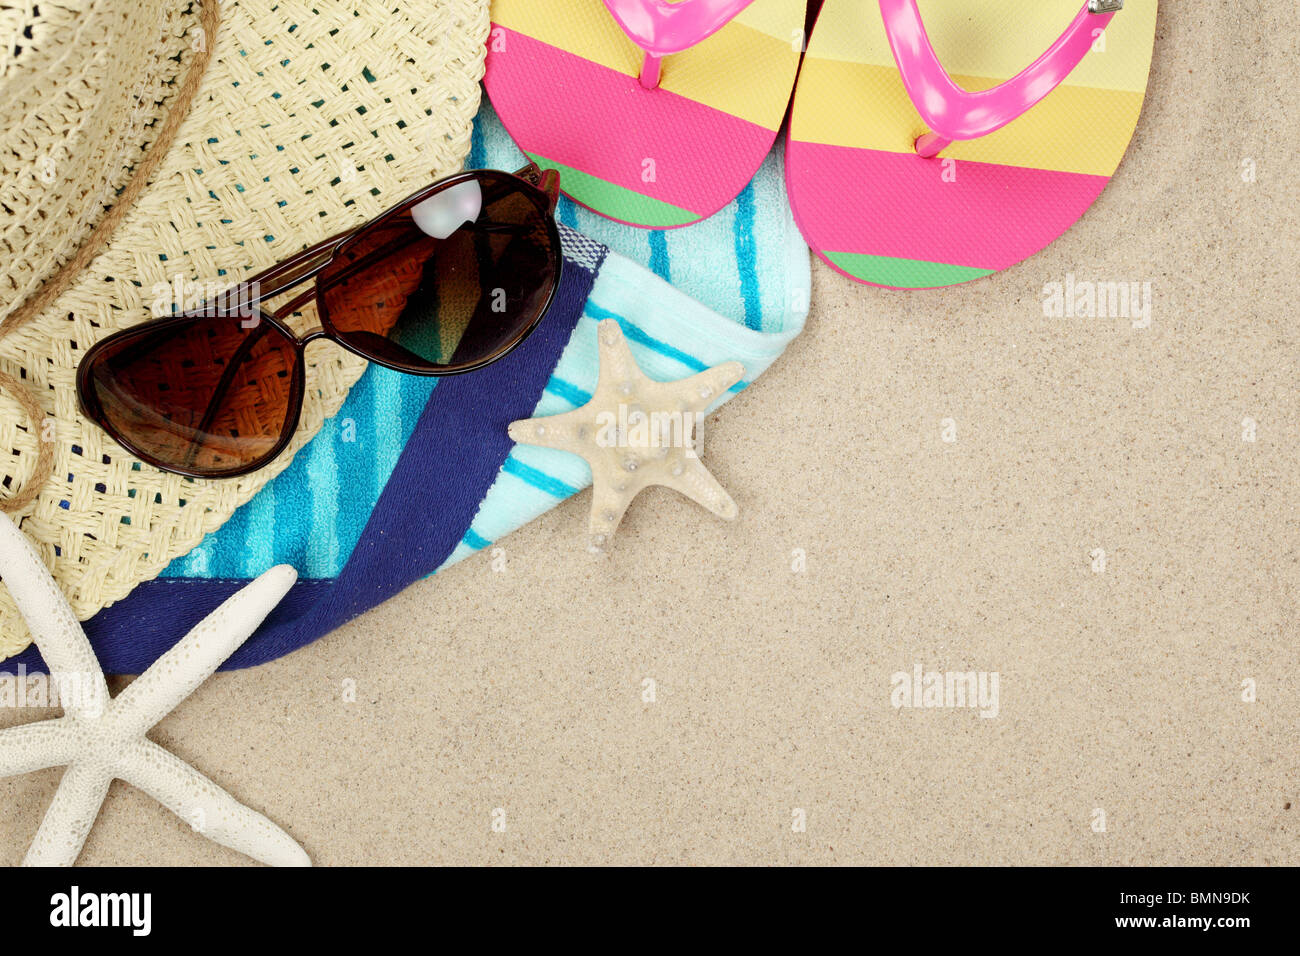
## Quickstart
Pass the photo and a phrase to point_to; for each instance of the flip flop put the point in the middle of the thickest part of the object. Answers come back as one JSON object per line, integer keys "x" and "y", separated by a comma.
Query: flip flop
{"x": 899, "y": 177}
{"x": 656, "y": 114}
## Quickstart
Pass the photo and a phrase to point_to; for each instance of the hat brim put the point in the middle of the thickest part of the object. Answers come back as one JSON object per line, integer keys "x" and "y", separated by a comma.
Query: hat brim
{"x": 310, "y": 119}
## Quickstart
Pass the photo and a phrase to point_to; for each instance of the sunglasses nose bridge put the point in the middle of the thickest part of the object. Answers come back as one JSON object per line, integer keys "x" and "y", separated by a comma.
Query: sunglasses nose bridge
{"x": 307, "y": 338}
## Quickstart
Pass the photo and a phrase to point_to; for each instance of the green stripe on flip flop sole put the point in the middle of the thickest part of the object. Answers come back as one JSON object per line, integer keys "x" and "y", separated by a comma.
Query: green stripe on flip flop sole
{"x": 903, "y": 273}
{"x": 615, "y": 201}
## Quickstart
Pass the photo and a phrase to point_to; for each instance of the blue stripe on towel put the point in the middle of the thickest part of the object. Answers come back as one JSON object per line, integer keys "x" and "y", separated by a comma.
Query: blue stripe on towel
{"x": 638, "y": 335}
{"x": 231, "y": 564}
{"x": 475, "y": 541}
{"x": 641, "y": 338}
{"x": 747, "y": 257}
{"x": 659, "y": 263}
{"x": 568, "y": 213}
{"x": 538, "y": 479}
{"x": 568, "y": 391}
{"x": 477, "y": 158}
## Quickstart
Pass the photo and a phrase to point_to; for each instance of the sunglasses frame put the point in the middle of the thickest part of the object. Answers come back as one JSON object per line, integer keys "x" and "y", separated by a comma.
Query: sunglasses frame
{"x": 306, "y": 266}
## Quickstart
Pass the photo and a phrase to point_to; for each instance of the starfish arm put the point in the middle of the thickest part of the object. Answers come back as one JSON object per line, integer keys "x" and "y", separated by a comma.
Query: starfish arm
{"x": 210, "y": 810}
{"x": 608, "y": 505}
{"x": 54, "y": 627}
{"x": 616, "y": 361}
{"x": 176, "y": 674}
{"x": 35, "y": 747}
{"x": 704, "y": 388}
{"x": 72, "y": 813}
{"x": 553, "y": 431}
{"x": 697, "y": 483}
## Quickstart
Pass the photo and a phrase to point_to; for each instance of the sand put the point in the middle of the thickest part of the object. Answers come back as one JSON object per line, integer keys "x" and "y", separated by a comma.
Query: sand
{"x": 519, "y": 695}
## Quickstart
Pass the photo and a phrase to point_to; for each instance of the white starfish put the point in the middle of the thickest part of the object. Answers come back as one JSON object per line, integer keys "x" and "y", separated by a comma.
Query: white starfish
{"x": 626, "y": 433}
{"x": 99, "y": 739}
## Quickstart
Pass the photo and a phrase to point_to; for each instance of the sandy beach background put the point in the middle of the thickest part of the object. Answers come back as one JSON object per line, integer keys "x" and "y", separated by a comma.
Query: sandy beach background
{"x": 868, "y": 545}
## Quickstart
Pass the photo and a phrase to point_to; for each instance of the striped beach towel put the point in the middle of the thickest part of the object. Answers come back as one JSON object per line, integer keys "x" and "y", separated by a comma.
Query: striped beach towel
{"x": 341, "y": 512}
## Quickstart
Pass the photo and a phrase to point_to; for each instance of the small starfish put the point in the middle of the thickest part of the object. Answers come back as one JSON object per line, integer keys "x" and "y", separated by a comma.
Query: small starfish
{"x": 99, "y": 739}
{"x": 636, "y": 432}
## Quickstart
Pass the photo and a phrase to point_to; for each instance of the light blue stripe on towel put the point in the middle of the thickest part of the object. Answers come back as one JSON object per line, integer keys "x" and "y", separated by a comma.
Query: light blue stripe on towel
{"x": 323, "y": 550}
{"x": 196, "y": 563}
{"x": 386, "y": 413}
{"x": 351, "y": 430}
{"x": 259, "y": 549}
{"x": 229, "y": 563}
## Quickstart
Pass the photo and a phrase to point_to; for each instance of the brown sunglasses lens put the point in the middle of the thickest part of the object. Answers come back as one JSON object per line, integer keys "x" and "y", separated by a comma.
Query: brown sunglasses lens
{"x": 209, "y": 396}
{"x": 453, "y": 281}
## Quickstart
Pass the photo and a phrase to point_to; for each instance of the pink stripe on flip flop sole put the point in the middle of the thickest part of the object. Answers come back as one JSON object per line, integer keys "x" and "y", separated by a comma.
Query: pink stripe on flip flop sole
{"x": 702, "y": 156}
{"x": 898, "y": 205}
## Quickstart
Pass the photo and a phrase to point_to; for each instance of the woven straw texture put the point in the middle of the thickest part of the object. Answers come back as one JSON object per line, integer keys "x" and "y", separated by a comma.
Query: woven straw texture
{"x": 66, "y": 148}
{"x": 311, "y": 119}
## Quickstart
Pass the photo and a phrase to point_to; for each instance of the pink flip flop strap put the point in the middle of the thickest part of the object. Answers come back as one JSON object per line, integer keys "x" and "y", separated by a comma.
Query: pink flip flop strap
{"x": 660, "y": 28}
{"x": 954, "y": 113}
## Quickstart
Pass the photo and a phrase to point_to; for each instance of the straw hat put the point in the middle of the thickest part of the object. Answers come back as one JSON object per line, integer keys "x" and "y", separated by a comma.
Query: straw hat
{"x": 155, "y": 146}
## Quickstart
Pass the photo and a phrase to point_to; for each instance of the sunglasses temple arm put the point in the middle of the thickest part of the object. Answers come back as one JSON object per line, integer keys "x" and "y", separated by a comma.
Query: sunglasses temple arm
{"x": 550, "y": 185}
{"x": 274, "y": 276}
{"x": 298, "y": 301}
{"x": 360, "y": 265}
{"x": 531, "y": 173}
{"x": 366, "y": 262}
{"x": 547, "y": 180}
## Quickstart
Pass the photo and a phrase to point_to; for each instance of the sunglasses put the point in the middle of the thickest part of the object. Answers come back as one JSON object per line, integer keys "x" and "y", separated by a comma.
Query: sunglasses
{"x": 450, "y": 280}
